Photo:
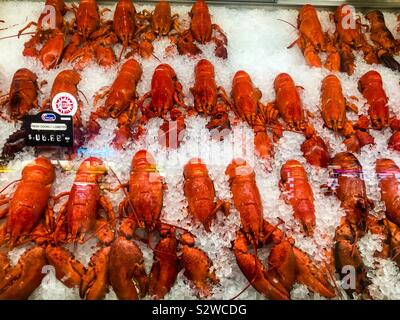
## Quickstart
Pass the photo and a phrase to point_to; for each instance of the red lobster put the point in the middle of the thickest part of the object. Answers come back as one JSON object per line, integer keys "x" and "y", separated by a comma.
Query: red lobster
{"x": 247, "y": 106}
{"x": 128, "y": 27}
{"x": 76, "y": 218}
{"x": 387, "y": 172}
{"x": 371, "y": 87}
{"x": 29, "y": 203}
{"x": 79, "y": 215}
{"x": 312, "y": 40}
{"x": 143, "y": 205}
{"x": 50, "y": 32}
{"x": 92, "y": 38}
{"x": 349, "y": 36}
{"x": 200, "y": 30}
{"x": 383, "y": 38}
{"x": 289, "y": 107}
{"x": 333, "y": 111}
{"x": 166, "y": 94}
{"x": 351, "y": 191}
{"x": 286, "y": 263}
{"x": 23, "y": 94}
{"x": 200, "y": 193}
{"x": 208, "y": 98}
{"x": 161, "y": 23}
{"x": 297, "y": 192}
{"x": 121, "y": 103}
{"x": 21, "y": 99}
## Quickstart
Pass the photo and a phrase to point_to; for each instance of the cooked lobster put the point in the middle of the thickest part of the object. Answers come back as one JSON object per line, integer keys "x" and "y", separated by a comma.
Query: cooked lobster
{"x": 200, "y": 193}
{"x": 29, "y": 203}
{"x": 121, "y": 103}
{"x": 286, "y": 263}
{"x": 297, "y": 192}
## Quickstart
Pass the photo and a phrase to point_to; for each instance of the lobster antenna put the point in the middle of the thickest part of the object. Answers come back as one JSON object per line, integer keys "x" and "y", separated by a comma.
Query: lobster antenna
{"x": 156, "y": 57}
{"x": 127, "y": 196}
{"x": 2, "y": 21}
{"x": 15, "y": 181}
{"x": 13, "y": 36}
{"x": 122, "y": 51}
{"x": 290, "y": 24}
{"x": 80, "y": 91}
{"x": 177, "y": 227}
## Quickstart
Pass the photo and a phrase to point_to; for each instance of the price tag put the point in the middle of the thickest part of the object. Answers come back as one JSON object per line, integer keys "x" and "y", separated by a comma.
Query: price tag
{"x": 48, "y": 129}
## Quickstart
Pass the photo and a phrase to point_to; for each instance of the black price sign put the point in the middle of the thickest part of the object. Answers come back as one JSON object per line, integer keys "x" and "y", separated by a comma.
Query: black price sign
{"x": 48, "y": 129}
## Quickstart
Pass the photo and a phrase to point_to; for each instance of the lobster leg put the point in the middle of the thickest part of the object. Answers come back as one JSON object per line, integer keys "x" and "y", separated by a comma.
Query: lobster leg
{"x": 30, "y": 24}
{"x": 108, "y": 208}
{"x": 178, "y": 96}
{"x": 101, "y": 94}
{"x": 49, "y": 218}
{"x": 224, "y": 96}
{"x": 218, "y": 206}
{"x": 59, "y": 224}
{"x": 122, "y": 206}
{"x": 176, "y": 25}
{"x": 60, "y": 195}
{"x": 141, "y": 103}
{"x": 123, "y": 133}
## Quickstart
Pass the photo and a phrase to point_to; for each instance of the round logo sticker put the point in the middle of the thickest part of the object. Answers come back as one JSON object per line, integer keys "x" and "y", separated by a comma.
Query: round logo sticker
{"x": 65, "y": 103}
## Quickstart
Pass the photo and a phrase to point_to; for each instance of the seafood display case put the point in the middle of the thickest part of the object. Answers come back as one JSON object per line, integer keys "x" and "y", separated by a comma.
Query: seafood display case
{"x": 199, "y": 150}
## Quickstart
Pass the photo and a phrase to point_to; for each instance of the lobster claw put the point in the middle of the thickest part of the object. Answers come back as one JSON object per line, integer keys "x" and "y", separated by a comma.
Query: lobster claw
{"x": 26, "y": 276}
{"x": 394, "y": 232}
{"x": 127, "y": 264}
{"x": 68, "y": 270}
{"x": 315, "y": 151}
{"x": 254, "y": 271}
{"x": 311, "y": 276}
{"x": 394, "y": 141}
{"x": 95, "y": 281}
{"x": 165, "y": 267}
{"x": 197, "y": 266}
{"x": 282, "y": 265}
{"x": 347, "y": 254}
